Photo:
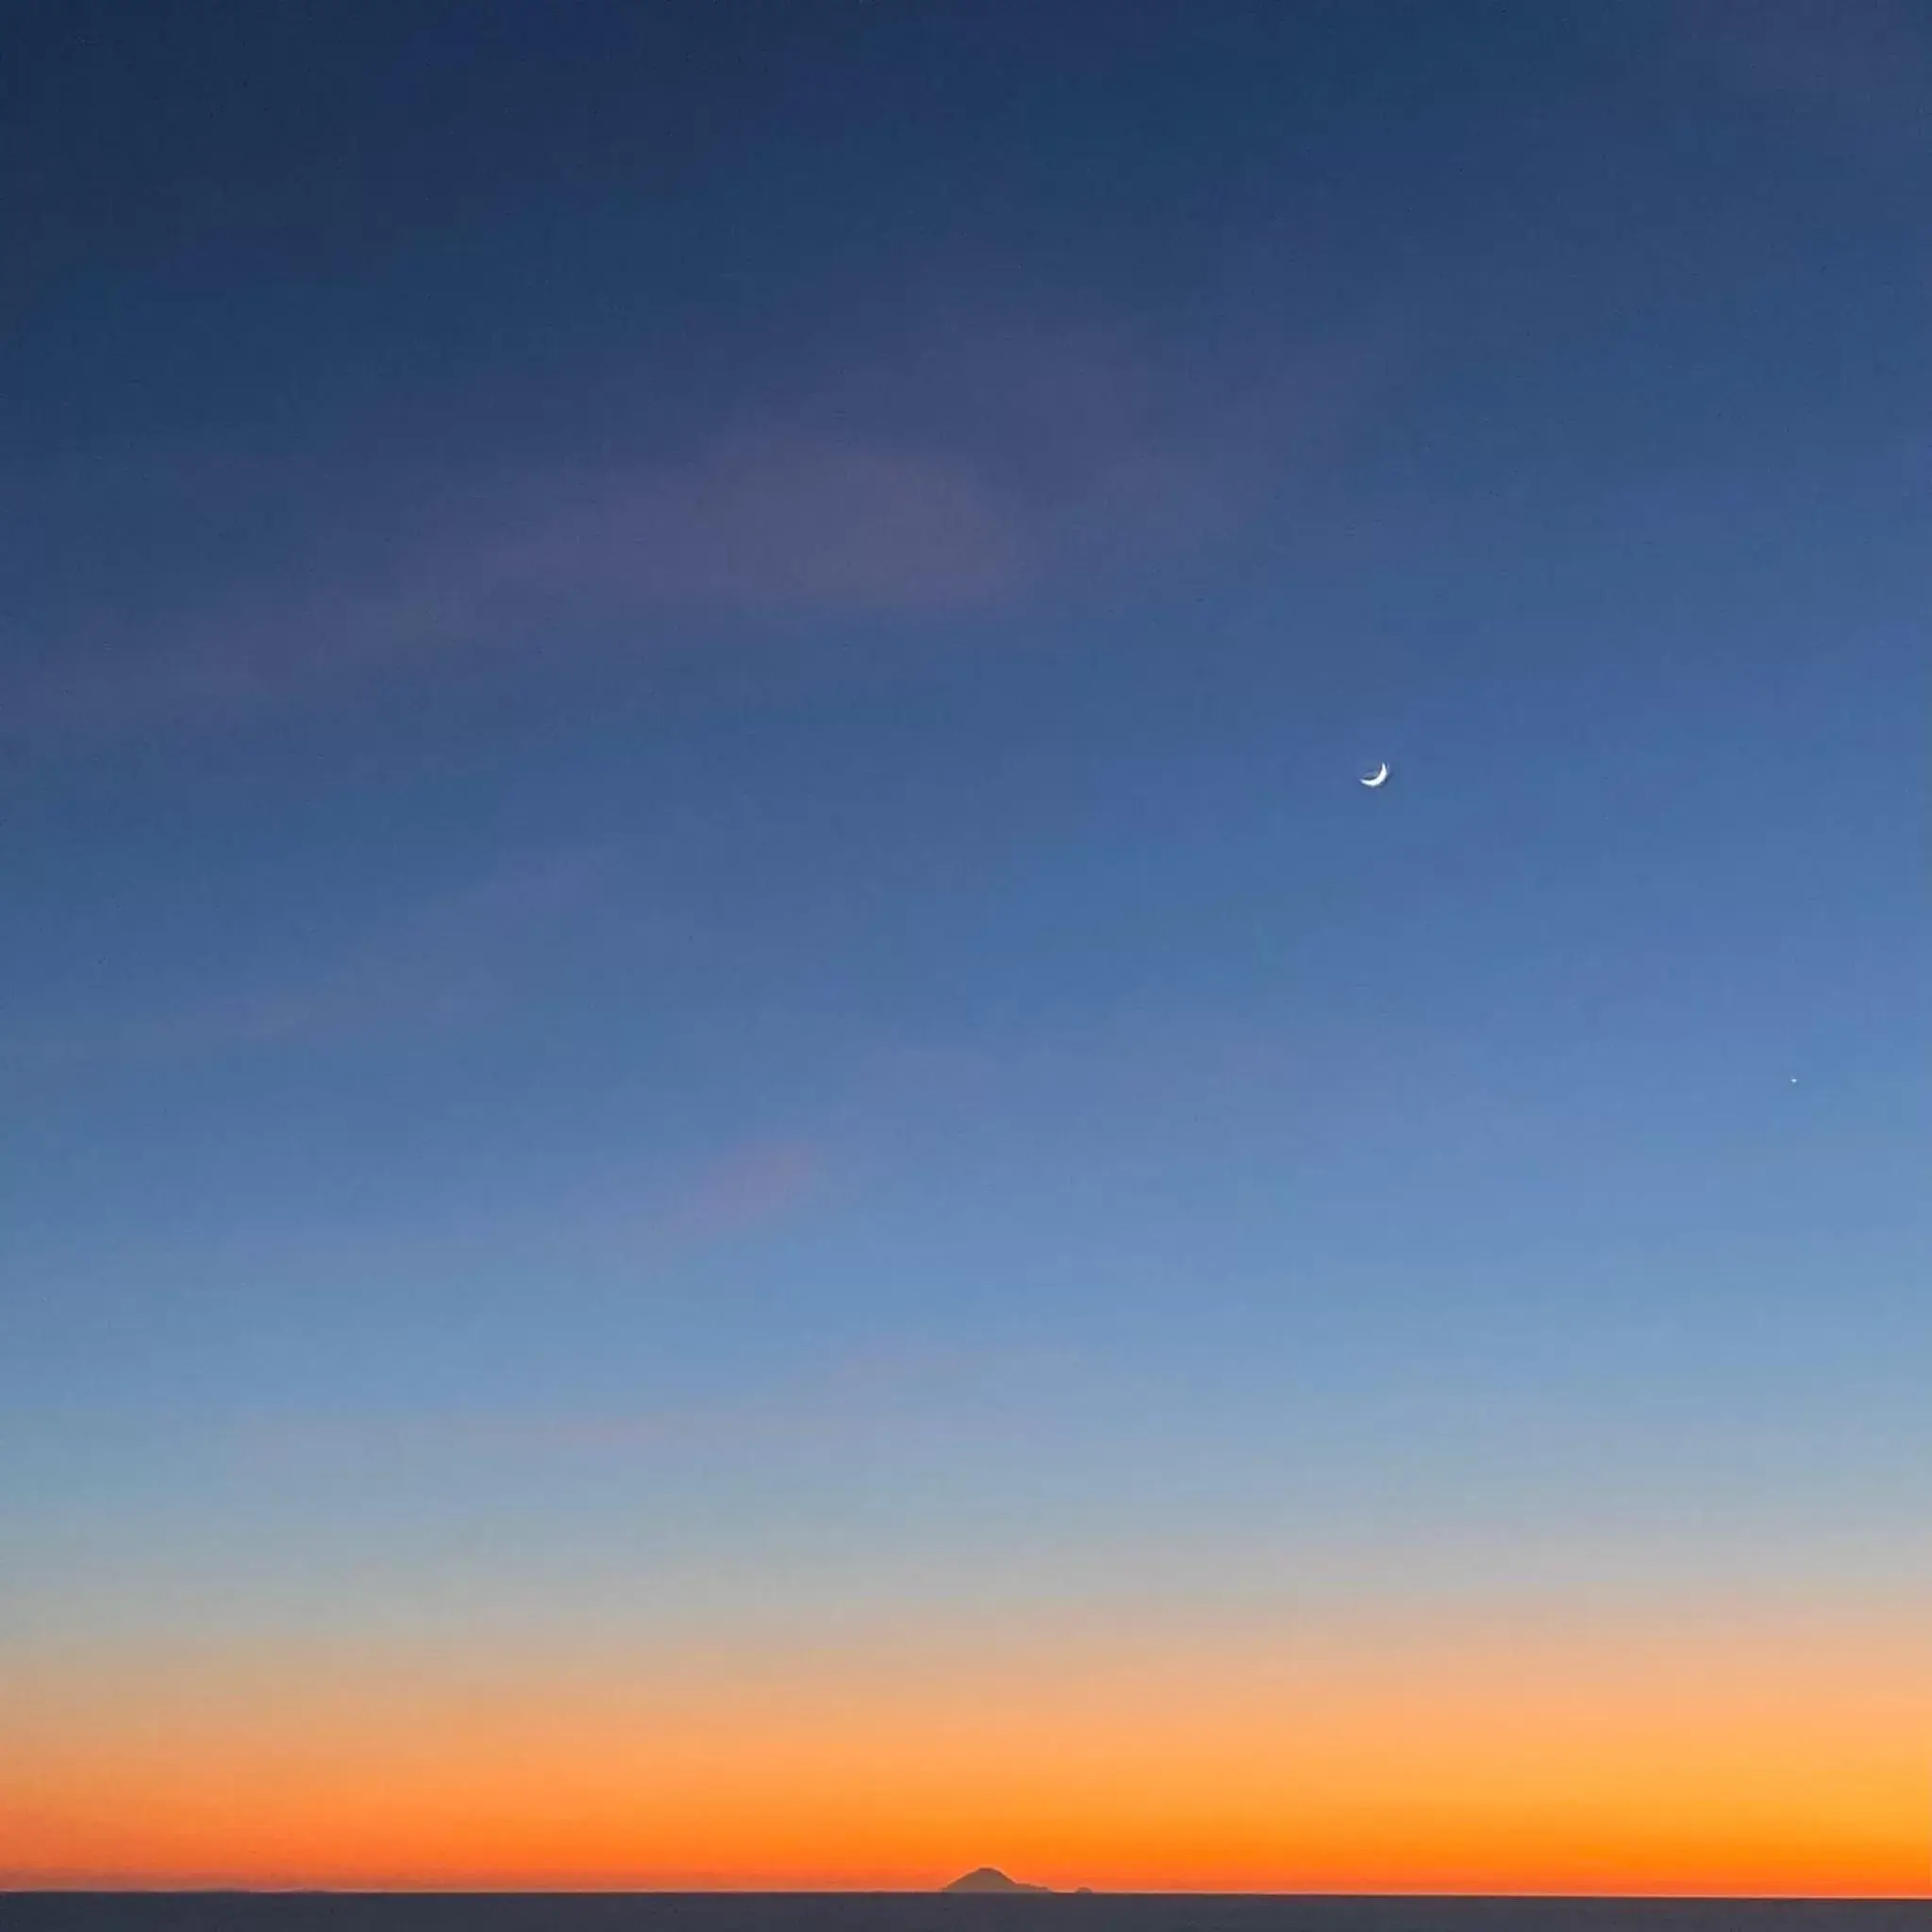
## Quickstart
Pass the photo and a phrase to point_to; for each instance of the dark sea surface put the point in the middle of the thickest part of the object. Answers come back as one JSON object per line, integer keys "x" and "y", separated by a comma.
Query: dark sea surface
{"x": 926, "y": 1912}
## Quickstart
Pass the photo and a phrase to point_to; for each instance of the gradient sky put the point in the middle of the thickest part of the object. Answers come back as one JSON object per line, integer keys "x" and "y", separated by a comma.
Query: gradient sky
{"x": 729, "y": 1152}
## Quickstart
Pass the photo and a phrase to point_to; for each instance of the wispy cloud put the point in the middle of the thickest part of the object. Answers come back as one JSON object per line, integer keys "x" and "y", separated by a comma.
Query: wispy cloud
{"x": 745, "y": 1188}
{"x": 779, "y": 520}
{"x": 773, "y": 519}
{"x": 456, "y": 957}
{"x": 1859, "y": 69}
{"x": 977, "y": 463}
{"x": 885, "y": 1389}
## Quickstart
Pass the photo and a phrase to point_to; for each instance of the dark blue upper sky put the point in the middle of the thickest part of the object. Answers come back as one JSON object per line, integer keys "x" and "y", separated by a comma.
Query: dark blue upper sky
{"x": 681, "y": 690}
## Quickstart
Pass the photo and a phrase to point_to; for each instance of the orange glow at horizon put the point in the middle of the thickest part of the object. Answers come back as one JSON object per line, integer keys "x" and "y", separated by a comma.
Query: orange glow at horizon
{"x": 1707, "y": 1759}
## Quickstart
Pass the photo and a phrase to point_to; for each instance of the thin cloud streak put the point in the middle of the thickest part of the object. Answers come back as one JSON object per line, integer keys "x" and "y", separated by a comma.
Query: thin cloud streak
{"x": 973, "y": 468}
{"x": 456, "y": 958}
{"x": 888, "y": 1389}
{"x": 772, "y": 522}
{"x": 1861, "y": 69}
{"x": 748, "y": 1189}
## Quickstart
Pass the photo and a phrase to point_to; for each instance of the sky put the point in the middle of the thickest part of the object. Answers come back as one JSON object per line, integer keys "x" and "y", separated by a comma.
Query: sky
{"x": 729, "y": 1152}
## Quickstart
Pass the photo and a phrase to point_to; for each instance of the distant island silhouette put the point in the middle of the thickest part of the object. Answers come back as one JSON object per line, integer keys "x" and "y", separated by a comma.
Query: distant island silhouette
{"x": 987, "y": 1878}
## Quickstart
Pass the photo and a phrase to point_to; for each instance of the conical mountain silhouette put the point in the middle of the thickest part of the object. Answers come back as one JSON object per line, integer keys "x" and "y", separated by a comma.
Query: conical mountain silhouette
{"x": 989, "y": 1879}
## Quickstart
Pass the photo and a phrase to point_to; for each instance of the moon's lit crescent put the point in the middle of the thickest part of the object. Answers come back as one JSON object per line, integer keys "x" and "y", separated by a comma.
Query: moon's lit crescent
{"x": 1380, "y": 778}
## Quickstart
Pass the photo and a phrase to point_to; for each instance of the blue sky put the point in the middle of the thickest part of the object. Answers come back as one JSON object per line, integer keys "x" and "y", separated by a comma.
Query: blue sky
{"x": 684, "y": 885}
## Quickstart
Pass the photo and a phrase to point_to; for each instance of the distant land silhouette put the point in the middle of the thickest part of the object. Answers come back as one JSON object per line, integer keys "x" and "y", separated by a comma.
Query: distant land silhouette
{"x": 989, "y": 1878}
{"x": 1018, "y": 1910}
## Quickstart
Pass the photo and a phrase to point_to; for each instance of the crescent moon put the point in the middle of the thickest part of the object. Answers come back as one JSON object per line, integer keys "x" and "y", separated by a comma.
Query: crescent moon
{"x": 1381, "y": 777}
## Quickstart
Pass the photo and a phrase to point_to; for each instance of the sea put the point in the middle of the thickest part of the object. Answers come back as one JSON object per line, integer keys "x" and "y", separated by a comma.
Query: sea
{"x": 286, "y": 1911}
